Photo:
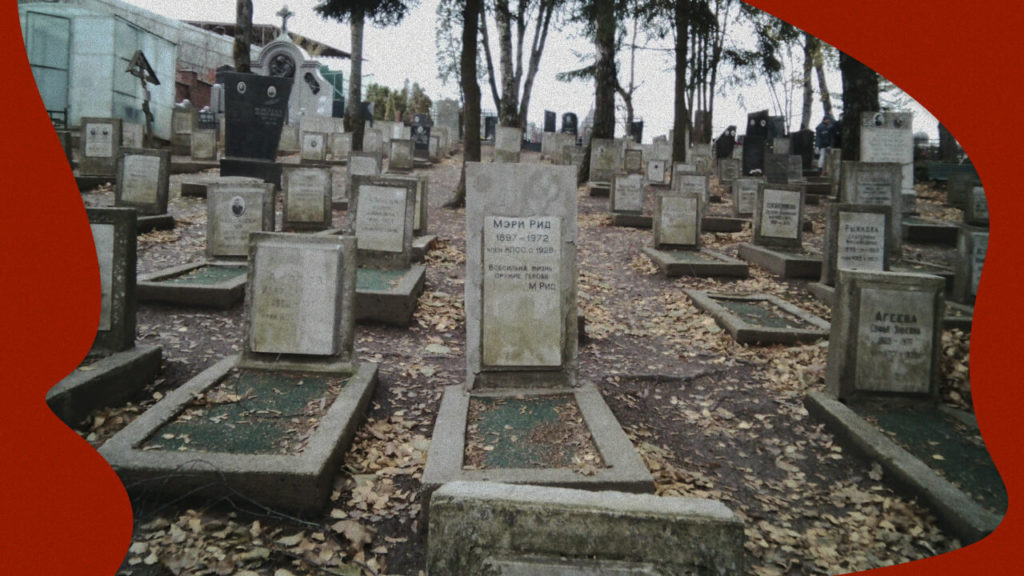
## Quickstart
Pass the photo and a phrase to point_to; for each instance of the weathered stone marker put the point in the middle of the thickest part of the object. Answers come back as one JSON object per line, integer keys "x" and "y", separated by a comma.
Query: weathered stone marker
{"x": 691, "y": 183}
{"x": 677, "y": 220}
{"x": 400, "y": 158}
{"x": 234, "y": 210}
{"x": 143, "y": 180}
{"x": 976, "y": 209}
{"x": 856, "y": 238}
{"x": 744, "y": 195}
{"x": 312, "y": 146}
{"x": 972, "y": 246}
{"x": 307, "y": 198}
{"x": 889, "y": 137}
{"x": 876, "y": 184}
{"x": 99, "y": 145}
{"x": 778, "y": 216}
{"x": 507, "y": 143}
{"x": 627, "y": 193}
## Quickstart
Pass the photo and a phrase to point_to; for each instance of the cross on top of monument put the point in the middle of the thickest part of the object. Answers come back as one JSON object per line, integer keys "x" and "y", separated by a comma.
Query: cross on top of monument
{"x": 285, "y": 14}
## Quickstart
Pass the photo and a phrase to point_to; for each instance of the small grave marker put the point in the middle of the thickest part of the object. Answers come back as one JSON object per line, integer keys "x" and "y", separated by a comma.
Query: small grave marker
{"x": 677, "y": 220}
{"x": 143, "y": 180}
{"x": 507, "y": 144}
{"x": 627, "y": 194}
{"x": 745, "y": 195}
{"x": 100, "y": 143}
{"x": 307, "y": 198}
{"x": 400, "y": 159}
{"x": 313, "y": 147}
{"x": 234, "y": 211}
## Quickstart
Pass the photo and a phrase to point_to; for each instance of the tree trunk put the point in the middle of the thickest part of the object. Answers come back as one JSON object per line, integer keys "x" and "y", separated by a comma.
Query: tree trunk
{"x": 604, "y": 82}
{"x": 805, "y": 113}
{"x": 508, "y": 108}
{"x": 819, "y": 66}
{"x": 489, "y": 59}
{"x": 471, "y": 95}
{"x": 860, "y": 94}
{"x": 243, "y": 35}
{"x": 680, "y": 122}
{"x": 354, "y": 121}
{"x": 539, "y": 39}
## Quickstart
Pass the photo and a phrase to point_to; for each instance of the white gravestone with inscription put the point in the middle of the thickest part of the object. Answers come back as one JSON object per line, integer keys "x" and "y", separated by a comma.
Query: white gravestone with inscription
{"x": 691, "y": 183}
{"x": 861, "y": 241}
{"x": 234, "y": 211}
{"x": 627, "y": 193}
{"x": 889, "y": 137}
{"x": 876, "y": 184}
{"x": 656, "y": 172}
{"x": 313, "y": 146}
{"x": 143, "y": 180}
{"x": 307, "y": 198}
{"x": 745, "y": 195}
{"x": 677, "y": 220}
{"x": 522, "y": 288}
{"x": 380, "y": 219}
{"x": 777, "y": 217}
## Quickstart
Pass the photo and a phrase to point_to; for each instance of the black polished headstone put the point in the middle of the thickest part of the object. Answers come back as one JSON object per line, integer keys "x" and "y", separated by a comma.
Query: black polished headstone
{"x": 549, "y": 121}
{"x": 753, "y": 154}
{"x": 255, "y": 109}
{"x": 570, "y": 123}
{"x": 636, "y": 130}
{"x": 490, "y": 127}
{"x": 757, "y": 125}
{"x": 725, "y": 143}
{"x": 776, "y": 128}
{"x": 420, "y": 129}
{"x": 802, "y": 144}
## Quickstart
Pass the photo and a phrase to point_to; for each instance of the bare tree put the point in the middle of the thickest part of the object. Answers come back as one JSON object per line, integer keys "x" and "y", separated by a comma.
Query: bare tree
{"x": 243, "y": 35}
{"x": 470, "y": 95}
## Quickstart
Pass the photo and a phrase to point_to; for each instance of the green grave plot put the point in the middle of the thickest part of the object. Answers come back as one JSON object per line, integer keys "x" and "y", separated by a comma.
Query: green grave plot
{"x": 211, "y": 284}
{"x": 760, "y": 318}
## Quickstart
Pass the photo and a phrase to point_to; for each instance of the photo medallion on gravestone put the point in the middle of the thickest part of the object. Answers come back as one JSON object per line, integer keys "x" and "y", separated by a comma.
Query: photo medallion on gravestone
{"x": 255, "y": 111}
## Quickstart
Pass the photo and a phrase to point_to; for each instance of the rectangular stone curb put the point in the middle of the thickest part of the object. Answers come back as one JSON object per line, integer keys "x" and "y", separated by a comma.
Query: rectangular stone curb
{"x": 421, "y": 245}
{"x": 822, "y": 292}
{"x": 154, "y": 222}
{"x": 111, "y": 380}
{"x": 478, "y": 528}
{"x": 599, "y": 189}
{"x": 632, "y": 220}
{"x": 781, "y": 263}
{"x": 926, "y": 231}
{"x": 154, "y": 287}
{"x": 299, "y": 483}
{"x": 181, "y": 165}
{"x": 625, "y": 469}
{"x": 396, "y": 306}
{"x": 957, "y": 511}
{"x": 721, "y": 266}
{"x": 722, "y": 224}
{"x": 746, "y": 333}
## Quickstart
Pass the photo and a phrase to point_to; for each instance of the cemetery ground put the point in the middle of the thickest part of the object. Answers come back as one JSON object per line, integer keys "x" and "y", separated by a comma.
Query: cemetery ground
{"x": 710, "y": 417}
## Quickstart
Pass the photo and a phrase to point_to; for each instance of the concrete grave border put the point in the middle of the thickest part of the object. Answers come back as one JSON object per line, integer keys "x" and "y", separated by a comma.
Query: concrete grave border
{"x": 299, "y": 483}
{"x": 927, "y": 231}
{"x": 110, "y": 380}
{"x": 782, "y": 263}
{"x": 156, "y": 287}
{"x": 746, "y": 333}
{"x": 721, "y": 265}
{"x": 625, "y": 472}
{"x": 395, "y": 306}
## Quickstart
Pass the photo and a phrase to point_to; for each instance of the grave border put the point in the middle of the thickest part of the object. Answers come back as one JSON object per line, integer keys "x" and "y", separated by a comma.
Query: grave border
{"x": 746, "y": 333}
{"x": 394, "y": 307}
{"x": 784, "y": 264}
{"x": 723, "y": 266}
{"x": 156, "y": 287}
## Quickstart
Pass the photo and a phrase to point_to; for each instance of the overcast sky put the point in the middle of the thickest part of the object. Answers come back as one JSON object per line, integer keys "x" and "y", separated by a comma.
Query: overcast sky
{"x": 408, "y": 51}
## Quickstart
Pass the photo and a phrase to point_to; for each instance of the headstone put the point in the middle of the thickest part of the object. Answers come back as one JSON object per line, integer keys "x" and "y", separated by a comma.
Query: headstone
{"x": 340, "y": 144}
{"x": 373, "y": 141}
{"x": 656, "y": 172}
{"x": 701, "y": 163}
{"x": 234, "y": 211}
{"x": 972, "y": 246}
{"x": 728, "y": 170}
{"x": 692, "y": 183}
{"x": 384, "y": 210}
{"x": 958, "y": 187}
{"x": 325, "y": 124}
{"x": 312, "y": 146}
{"x": 604, "y": 159}
{"x": 434, "y": 149}
{"x": 291, "y": 141}
{"x": 570, "y": 124}
{"x": 677, "y": 220}
{"x": 802, "y": 145}
{"x": 681, "y": 168}
{"x": 753, "y": 154}
{"x": 400, "y": 158}
{"x": 100, "y": 143}
{"x": 780, "y": 146}
{"x": 627, "y": 193}
{"x": 419, "y": 132}
{"x": 204, "y": 144}
{"x": 876, "y": 184}
{"x": 507, "y": 144}
{"x": 778, "y": 216}
{"x": 744, "y": 195}
{"x": 550, "y": 118}
{"x": 976, "y": 210}
{"x": 143, "y": 180}
{"x": 856, "y": 238}
{"x": 834, "y": 165}
{"x": 776, "y": 168}
{"x": 133, "y": 135}
{"x": 255, "y": 111}
{"x": 447, "y": 115}
{"x": 633, "y": 161}
{"x": 490, "y": 123}
{"x": 183, "y": 123}
{"x": 113, "y": 232}
{"x": 307, "y": 198}
{"x": 795, "y": 169}
{"x": 889, "y": 137}
{"x": 757, "y": 124}
{"x": 886, "y": 334}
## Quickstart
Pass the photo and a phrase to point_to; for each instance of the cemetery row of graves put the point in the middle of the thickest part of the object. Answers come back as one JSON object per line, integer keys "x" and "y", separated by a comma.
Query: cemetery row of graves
{"x": 306, "y": 364}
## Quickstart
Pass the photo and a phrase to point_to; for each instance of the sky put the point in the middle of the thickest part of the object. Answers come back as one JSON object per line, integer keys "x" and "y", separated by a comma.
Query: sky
{"x": 407, "y": 51}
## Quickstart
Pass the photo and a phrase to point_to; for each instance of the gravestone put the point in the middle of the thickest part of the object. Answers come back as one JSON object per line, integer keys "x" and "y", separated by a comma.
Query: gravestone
{"x": 184, "y": 120}
{"x": 421, "y": 241}
{"x": 307, "y": 198}
{"x": 795, "y": 169}
{"x": 434, "y": 149}
{"x": 856, "y": 238}
{"x": 604, "y": 160}
{"x": 888, "y": 137}
{"x": 958, "y": 188}
{"x": 701, "y": 163}
{"x": 886, "y": 334}
{"x": 133, "y": 135}
{"x": 976, "y": 209}
{"x": 447, "y": 115}
{"x": 802, "y": 145}
{"x": 203, "y": 144}
{"x": 100, "y": 143}
{"x": 656, "y": 172}
{"x": 255, "y": 109}
{"x": 419, "y": 133}
{"x": 728, "y": 170}
{"x": 325, "y": 124}
{"x": 780, "y": 145}
{"x": 360, "y": 164}
{"x": 778, "y": 216}
{"x": 143, "y": 180}
{"x": 507, "y": 143}
{"x": 627, "y": 193}
{"x": 570, "y": 124}
{"x": 692, "y": 183}
{"x": 400, "y": 158}
{"x": 339, "y": 145}
{"x": 776, "y": 168}
{"x": 115, "y": 369}
{"x": 677, "y": 220}
{"x": 633, "y": 161}
{"x": 373, "y": 141}
{"x": 234, "y": 211}
{"x": 876, "y": 184}
{"x": 972, "y": 245}
{"x": 681, "y": 168}
{"x": 290, "y": 142}
{"x": 744, "y": 195}
{"x": 550, "y": 118}
{"x": 312, "y": 147}
{"x": 753, "y": 154}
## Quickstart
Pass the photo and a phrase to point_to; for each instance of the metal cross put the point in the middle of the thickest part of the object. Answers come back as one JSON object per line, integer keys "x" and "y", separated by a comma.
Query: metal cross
{"x": 285, "y": 14}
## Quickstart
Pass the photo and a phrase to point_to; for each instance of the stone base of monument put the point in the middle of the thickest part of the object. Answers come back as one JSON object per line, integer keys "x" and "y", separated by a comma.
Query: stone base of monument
{"x": 494, "y": 528}
{"x": 599, "y": 189}
{"x": 421, "y": 245}
{"x": 420, "y": 163}
{"x": 817, "y": 190}
{"x": 920, "y": 267}
{"x": 148, "y": 223}
{"x": 760, "y": 318}
{"x": 517, "y": 458}
{"x": 906, "y": 469}
{"x": 197, "y": 186}
{"x": 822, "y": 292}
{"x": 86, "y": 183}
{"x": 207, "y": 284}
{"x": 722, "y": 224}
{"x": 388, "y": 296}
{"x": 909, "y": 200}
{"x": 186, "y": 165}
{"x": 787, "y": 264}
{"x": 109, "y": 380}
{"x": 339, "y": 203}
{"x": 632, "y": 220}
{"x": 701, "y": 263}
{"x": 211, "y": 437}
{"x": 926, "y": 231}
{"x": 265, "y": 170}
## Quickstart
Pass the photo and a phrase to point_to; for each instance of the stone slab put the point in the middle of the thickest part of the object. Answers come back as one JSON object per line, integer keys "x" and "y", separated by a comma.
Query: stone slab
{"x": 160, "y": 287}
{"x": 300, "y": 483}
{"x": 624, "y": 470}
{"x": 421, "y": 245}
{"x": 113, "y": 233}
{"x": 393, "y": 305}
{"x": 927, "y": 231}
{"x": 778, "y": 216}
{"x": 269, "y": 172}
{"x": 99, "y": 144}
{"x": 632, "y": 220}
{"x": 699, "y": 263}
{"x": 968, "y": 520}
{"x": 746, "y": 332}
{"x": 143, "y": 180}
{"x": 307, "y": 198}
{"x": 723, "y": 224}
{"x": 382, "y": 211}
{"x": 235, "y": 209}
{"x": 154, "y": 222}
{"x": 478, "y": 528}
{"x": 111, "y": 380}
{"x": 780, "y": 262}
